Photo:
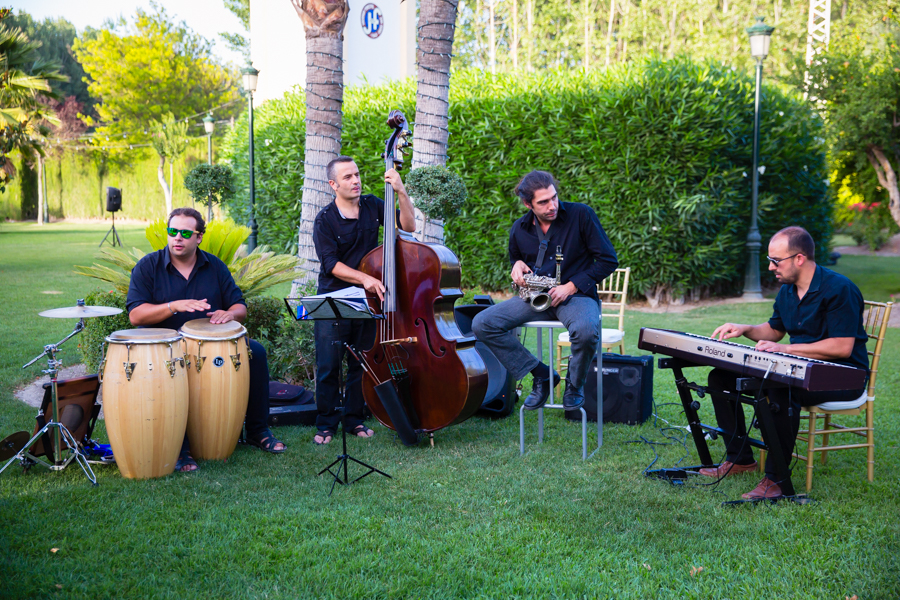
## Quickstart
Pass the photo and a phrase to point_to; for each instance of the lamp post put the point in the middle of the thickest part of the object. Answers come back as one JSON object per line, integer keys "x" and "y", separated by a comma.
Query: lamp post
{"x": 250, "y": 77}
{"x": 760, "y": 35}
{"x": 209, "y": 124}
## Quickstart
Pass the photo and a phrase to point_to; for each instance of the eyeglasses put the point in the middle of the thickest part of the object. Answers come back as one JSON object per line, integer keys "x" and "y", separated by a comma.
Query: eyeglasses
{"x": 777, "y": 261}
{"x": 185, "y": 233}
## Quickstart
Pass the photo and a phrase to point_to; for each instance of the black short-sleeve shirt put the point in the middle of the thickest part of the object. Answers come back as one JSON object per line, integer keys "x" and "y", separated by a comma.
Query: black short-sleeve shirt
{"x": 155, "y": 280}
{"x": 831, "y": 308}
{"x": 338, "y": 239}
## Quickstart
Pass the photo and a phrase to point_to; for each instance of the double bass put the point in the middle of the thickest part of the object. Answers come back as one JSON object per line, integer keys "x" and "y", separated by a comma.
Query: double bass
{"x": 439, "y": 377}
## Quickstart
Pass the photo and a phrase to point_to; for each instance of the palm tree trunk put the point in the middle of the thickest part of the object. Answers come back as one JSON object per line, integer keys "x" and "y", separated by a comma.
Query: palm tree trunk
{"x": 323, "y": 23}
{"x": 437, "y": 23}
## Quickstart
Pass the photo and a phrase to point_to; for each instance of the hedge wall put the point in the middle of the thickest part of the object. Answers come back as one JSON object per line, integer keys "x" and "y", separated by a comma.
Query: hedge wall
{"x": 661, "y": 150}
{"x": 76, "y": 189}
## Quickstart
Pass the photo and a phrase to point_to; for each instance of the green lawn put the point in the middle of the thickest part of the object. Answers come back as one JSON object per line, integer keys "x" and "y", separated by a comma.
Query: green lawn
{"x": 469, "y": 518}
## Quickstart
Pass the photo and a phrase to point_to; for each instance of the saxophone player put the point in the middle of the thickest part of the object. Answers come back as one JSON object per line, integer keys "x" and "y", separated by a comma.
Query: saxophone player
{"x": 573, "y": 230}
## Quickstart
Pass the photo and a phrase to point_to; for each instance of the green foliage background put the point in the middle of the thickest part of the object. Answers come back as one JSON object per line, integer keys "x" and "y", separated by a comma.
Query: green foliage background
{"x": 76, "y": 185}
{"x": 661, "y": 150}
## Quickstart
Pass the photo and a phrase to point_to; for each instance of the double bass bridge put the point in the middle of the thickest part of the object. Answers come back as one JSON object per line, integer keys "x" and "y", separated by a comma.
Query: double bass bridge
{"x": 398, "y": 341}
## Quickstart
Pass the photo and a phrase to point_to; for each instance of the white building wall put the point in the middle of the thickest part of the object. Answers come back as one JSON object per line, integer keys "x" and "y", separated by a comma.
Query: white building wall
{"x": 278, "y": 45}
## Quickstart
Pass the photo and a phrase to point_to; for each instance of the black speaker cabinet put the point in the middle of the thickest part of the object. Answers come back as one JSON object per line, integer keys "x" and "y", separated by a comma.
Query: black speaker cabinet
{"x": 500, "y": 398}
{"x": 113, "y": 199}
{"x": 627, "y": 390}
{"x": 291, "y": 405}
{"x": 78, "y": 410}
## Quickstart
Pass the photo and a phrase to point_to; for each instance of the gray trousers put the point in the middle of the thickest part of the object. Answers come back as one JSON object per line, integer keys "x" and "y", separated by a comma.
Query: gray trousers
{"x": 580, "y": 315}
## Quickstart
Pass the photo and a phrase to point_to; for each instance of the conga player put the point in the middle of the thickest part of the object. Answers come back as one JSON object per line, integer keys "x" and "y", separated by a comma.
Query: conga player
{"x": 180, "y": 283}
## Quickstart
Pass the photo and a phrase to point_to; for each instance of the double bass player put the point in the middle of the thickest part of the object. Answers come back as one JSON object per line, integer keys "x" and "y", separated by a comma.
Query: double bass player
{"x": 343, "y": 233}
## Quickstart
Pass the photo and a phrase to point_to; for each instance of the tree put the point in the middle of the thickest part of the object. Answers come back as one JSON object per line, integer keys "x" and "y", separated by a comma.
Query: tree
{"x": 57, "y": 37}
{"x": 25, "y": 85}
{"x": 210, "y": 184}
{"x": 169, "y": 139}
{"x": 323, "y": 21}
{"x": 153, "y": 67}
{"x": 437, "y": 23}
{"x": 860, "y": 99}
{"x": 236, "y": 41}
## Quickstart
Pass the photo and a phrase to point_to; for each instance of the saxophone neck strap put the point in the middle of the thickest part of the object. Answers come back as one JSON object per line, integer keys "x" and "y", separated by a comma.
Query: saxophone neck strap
{"x": 545, "y": 242}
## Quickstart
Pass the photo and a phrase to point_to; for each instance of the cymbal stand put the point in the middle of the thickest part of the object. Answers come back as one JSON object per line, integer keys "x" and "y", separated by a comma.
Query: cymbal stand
{"x": 62, "y": 433}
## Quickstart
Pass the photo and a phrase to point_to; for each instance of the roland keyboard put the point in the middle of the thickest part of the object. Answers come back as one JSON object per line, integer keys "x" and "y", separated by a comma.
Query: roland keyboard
{"x": 796, "y": 371}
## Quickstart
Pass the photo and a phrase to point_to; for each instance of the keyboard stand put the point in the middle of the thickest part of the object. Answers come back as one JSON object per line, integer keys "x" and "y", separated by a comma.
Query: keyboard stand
{"x": 698, "y": 430}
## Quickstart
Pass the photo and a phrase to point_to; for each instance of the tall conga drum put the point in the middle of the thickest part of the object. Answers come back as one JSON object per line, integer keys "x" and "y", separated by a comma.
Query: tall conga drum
{"x": 219, "y": 386}
{"x": 145, "y": 400}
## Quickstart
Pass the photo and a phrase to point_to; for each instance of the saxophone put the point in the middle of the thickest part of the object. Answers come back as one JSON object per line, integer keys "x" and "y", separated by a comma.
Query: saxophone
{"x": 536, "y": 290}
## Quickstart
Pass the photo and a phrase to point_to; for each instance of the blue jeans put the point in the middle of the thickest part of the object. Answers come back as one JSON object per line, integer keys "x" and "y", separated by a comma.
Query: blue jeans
{"x": 330, "y": 352}
{"x": 580, "y": 315}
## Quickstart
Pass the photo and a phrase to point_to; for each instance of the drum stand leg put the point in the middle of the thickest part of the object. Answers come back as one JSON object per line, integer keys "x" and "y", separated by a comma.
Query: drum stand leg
{"x": 341, "y": 460}
{"x": 62, "y": 433}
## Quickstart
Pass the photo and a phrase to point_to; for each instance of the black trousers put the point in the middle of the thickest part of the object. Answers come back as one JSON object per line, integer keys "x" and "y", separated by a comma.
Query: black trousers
{"x": 330, "y": 352}
{"x": 257, "y": 417}
{"x": 785, "y": 404}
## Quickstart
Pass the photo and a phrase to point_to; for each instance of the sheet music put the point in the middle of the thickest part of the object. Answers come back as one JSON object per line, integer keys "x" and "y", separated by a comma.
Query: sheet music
{"x": 350, "y": 303}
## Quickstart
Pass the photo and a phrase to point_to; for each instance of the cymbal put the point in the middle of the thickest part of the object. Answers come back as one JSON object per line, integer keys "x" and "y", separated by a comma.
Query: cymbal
{"x": 81, "y": 312}
{"x": 10, "y": 446}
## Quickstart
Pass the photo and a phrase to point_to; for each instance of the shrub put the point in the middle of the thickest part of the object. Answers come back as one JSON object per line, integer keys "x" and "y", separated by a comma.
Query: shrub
{"x": 871, "y": 225}
{"x": 264, "y": 316}
{"x": 661, "y": 150}
{"x": 439, "y": 192}
{"x": 90, "y": 346}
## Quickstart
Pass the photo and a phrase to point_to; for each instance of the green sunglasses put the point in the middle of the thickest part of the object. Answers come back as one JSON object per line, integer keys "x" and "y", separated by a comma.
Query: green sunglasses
{"x": 185, "y": 233}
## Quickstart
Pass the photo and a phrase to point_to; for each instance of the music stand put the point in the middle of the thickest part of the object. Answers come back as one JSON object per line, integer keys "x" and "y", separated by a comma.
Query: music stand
{"x": 327, "y": 307}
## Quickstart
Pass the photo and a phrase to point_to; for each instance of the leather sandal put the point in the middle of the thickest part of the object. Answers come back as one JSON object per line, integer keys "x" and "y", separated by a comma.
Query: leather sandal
{"x": 323, "y": 437}
{"x": 267, "y": 443}
{"x": 186, "y": 463}
{"x": 361, "y": 431}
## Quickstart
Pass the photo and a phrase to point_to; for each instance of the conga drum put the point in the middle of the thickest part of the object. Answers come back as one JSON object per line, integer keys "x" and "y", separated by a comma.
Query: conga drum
{"x": 219, "y": 386}
{"x": 145, "y": 400}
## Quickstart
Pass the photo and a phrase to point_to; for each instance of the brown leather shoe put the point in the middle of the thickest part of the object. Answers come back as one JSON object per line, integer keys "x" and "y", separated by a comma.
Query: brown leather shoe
{"x": 766, "y": 489}
{"x": 727, "y": 468}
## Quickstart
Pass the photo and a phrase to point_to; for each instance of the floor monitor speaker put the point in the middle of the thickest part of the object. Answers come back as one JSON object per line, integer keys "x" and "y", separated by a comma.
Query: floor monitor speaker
{"x": 627, "y": 390}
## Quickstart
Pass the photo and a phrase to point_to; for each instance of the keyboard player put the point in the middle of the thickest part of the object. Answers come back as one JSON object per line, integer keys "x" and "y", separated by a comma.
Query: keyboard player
{"x": 822, "y": 312}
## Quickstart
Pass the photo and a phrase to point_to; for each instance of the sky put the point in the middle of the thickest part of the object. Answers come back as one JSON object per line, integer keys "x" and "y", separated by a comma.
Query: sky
{"x": 206, "y": 17}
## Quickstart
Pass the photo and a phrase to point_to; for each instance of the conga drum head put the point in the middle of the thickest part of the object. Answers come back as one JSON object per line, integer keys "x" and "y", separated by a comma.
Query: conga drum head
{"x": 202, "y": 329}
{"x": 148, "y": 335}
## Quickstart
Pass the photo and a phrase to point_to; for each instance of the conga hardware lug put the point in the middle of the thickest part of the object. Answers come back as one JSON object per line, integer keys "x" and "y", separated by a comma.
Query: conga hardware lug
{"x": 129, "y": 369}
{"x": 170, "y": 365}
{"x": 198, "y": 360}
{"x": 236, "y": 361}
{"x": 186, "y": 361}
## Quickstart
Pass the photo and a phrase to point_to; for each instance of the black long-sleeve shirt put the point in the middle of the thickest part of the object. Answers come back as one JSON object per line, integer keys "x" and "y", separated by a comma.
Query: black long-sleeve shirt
{"x": 588, "y": 255}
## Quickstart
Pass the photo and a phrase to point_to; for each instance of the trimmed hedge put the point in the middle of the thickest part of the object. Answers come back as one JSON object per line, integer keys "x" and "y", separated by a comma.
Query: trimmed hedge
{"x": 76, "y": 189}
{"x": 661, "y": 150}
